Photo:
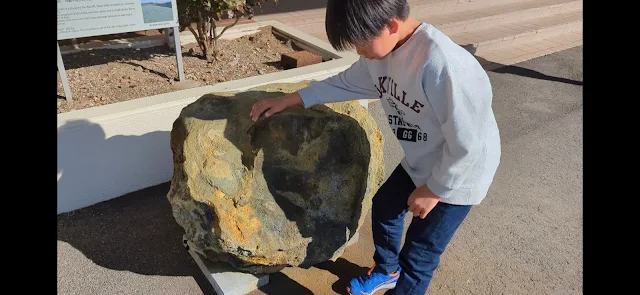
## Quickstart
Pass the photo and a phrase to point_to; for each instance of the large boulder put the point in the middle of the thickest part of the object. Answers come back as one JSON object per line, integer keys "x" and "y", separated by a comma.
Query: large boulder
{"x": 289, "y": 190}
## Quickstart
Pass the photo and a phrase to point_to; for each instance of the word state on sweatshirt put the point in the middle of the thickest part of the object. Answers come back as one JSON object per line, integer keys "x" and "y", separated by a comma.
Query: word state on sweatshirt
{"x": 404, "y": 130}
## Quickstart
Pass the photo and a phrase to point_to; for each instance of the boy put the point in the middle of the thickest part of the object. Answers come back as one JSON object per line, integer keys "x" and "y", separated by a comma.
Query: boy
{"x": 438, "y": 101}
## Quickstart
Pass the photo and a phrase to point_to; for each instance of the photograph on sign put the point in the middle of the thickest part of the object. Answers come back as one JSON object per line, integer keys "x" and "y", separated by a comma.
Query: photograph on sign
{"x": 155, "y": 11}
{"x": 87, "y": 18}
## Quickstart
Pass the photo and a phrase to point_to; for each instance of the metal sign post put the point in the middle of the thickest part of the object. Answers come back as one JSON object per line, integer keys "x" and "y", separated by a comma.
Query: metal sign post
{"x": 63, "y": 76}
{"x": 176, "y": 39}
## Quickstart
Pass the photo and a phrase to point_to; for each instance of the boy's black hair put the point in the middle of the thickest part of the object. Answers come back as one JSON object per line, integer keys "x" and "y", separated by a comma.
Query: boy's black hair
{"x": 351, "y": 22}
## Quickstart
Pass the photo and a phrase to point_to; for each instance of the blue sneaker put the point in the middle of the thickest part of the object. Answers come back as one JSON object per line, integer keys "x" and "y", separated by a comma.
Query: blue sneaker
{"x": 373, "y": 282}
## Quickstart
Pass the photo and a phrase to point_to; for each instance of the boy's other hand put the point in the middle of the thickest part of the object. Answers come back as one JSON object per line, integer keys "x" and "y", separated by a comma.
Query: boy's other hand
{"x": 421, "y": 201}
{"x": 271, "y": 106}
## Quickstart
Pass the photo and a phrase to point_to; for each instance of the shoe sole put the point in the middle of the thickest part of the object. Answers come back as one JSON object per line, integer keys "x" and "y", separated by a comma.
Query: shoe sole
{"x": 383, "y": 286}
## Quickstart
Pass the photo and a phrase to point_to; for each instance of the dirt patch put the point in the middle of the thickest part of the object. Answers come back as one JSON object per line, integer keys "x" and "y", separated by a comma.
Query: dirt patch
{"x": 106, "y": 76}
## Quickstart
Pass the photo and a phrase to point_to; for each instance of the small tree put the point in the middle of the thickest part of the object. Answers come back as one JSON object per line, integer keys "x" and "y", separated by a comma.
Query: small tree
{"x": 205, "y": 14}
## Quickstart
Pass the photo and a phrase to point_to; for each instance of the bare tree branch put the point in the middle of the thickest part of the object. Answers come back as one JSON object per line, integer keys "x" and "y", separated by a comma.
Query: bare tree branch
{"x": 230, "y": 26}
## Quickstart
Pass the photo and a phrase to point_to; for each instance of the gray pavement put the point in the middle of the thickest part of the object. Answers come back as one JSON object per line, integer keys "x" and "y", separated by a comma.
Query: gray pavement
{"x": 525, "y": 238}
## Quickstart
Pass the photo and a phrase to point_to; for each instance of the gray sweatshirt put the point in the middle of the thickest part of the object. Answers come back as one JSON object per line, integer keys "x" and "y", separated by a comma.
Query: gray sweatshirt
{"x": 437, "y": 98}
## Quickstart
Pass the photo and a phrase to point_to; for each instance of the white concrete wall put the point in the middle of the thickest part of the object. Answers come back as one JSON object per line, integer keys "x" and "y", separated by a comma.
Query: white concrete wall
{"x": 102, "y": 159}
{"x": 108, "y": 151}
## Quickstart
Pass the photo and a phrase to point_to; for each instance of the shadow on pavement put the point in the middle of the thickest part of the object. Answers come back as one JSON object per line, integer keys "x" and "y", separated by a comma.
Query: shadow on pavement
{"x": 344, "y": 270}
{"x": 519, "y": 71}
{"x": 135, "y": 233}
{"x": 280, "y": 283}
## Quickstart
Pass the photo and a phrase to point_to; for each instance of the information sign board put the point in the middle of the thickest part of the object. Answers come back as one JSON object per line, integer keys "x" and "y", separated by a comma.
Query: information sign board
{"x": 86, "y": 18}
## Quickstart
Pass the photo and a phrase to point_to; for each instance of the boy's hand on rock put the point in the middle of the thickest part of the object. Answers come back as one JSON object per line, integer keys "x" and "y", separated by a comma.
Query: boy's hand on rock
{"x": 421, "y": 201}
{"x": 271, "y": 106}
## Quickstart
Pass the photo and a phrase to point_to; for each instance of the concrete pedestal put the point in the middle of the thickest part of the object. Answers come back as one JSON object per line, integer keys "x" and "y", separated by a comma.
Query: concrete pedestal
{"x": 228, "y": 281}
{"x": 225, "y": 279}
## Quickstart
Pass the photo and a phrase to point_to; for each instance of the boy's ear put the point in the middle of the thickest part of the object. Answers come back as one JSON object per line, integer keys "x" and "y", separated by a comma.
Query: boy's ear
{"x": 393, "y": 26}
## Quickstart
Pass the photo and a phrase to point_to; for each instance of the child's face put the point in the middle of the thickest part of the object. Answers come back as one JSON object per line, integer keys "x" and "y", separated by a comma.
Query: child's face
{"x": 382, "y": 45}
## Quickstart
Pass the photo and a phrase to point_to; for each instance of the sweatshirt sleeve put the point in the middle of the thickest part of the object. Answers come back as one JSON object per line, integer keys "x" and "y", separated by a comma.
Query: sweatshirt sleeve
{"x": 461, "y": 100}
{"x": 351, "y": 84}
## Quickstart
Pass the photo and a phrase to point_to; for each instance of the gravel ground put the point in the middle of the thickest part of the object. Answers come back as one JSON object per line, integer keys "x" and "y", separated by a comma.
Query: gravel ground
{"x": 107, "y": 76}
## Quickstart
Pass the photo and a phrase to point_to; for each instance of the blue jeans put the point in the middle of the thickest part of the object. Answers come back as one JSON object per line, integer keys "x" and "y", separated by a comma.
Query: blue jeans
{"x": 426, "y": 238}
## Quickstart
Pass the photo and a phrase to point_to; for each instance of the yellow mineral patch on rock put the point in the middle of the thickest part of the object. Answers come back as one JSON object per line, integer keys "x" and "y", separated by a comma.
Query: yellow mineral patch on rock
{"x": 219, "y": 195}
{"x": 238, "y": 224}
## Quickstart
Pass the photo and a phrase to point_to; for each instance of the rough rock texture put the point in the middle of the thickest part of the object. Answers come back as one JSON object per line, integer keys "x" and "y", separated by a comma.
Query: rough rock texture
{"x": 289, "y": 190}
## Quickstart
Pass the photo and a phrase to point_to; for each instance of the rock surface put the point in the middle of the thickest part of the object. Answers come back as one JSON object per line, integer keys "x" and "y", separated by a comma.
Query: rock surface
{"x": 289, "y": 190}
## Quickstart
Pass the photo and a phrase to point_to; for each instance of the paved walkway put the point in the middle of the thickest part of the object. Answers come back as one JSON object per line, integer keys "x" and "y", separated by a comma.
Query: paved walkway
{"x": 526, "y": 238}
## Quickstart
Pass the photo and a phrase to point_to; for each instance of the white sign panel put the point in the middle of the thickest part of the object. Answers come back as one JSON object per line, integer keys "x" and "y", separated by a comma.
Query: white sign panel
{"x": 85, "y": 18}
